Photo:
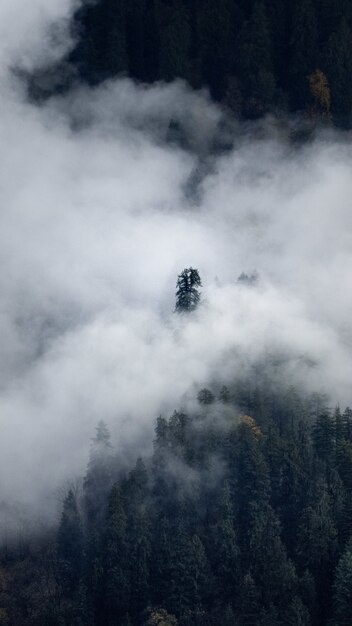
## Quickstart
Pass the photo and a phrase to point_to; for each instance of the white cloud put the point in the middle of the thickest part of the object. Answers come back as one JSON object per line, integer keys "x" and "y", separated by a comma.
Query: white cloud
{"x": 98, "y": 216}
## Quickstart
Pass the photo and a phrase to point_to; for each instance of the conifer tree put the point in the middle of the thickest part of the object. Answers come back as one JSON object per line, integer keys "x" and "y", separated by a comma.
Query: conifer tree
{"x": 343, "y": 589}
{"x": 304, "y": 51}
{"x": 70, "y": 545}
{"x": 226, "y": 565}
{"x": 175, "y": 40}
{"x": 255, "y": 63}
{"x": 225, "y": 395}
{"x": 98, "y": 480}
{"x": 205, "y": 396}
{"x": 324, "y": 436}
{"x": 116, "y": 559}
{"x": 338, "y": 68}
{"x": 249, "y": 602}
{"x": 187, "y": 294}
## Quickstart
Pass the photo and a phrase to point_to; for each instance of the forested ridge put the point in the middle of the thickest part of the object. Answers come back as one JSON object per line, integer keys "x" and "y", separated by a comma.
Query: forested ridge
{"x": 241, "y": 517}
{"x": 254, "y": 56}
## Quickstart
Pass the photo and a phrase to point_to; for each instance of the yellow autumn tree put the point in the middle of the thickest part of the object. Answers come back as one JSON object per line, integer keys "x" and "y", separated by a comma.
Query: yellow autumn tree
{"x": 252, "y": 425}
{"x": 320, "y": 94}
{"x": 160, "y": 617}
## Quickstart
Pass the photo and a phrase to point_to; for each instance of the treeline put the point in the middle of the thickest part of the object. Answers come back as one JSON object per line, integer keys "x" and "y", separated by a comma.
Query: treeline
{"x": 255, "y": 56}
{"x": 241, "y": 517}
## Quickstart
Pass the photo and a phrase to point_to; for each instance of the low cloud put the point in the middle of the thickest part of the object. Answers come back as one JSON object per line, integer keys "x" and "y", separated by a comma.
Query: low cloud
{"x": 106, "y": 195}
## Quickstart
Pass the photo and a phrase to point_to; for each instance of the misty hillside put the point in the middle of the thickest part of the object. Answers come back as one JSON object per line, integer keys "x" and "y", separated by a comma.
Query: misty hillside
{"x": 175, "y": 313}
{"x": 255, "y": 56}
{"x": 241, "y": 517}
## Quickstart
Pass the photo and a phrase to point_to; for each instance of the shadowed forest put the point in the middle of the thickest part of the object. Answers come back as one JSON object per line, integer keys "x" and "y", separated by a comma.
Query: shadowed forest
{"x": 254, "y": 56}
{"x": 242, "y": 516}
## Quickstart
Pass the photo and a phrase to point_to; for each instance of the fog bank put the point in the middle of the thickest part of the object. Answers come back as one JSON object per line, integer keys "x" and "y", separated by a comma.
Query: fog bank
{"x": 106, "y": 195}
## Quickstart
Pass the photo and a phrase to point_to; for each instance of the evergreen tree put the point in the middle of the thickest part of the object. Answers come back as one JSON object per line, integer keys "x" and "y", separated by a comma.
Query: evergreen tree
{"x": 343, "y": 589}
{"x": 347, "y": 424}
{"x": 324, "y": 436}
{"x": 297, "y": 614}
{"x": 116, "y": 560}
{"x": 225, "y": 395}
{"x": 317, "y": 546}
{"x": 70, "y": 545}
{"x": 187, "y": 294}
{"x": 249, "y": 603}
{"x": 205, "y": 396}
{"x": 273, "y": 573}
{"x": 255, "y": 64}
{"x": 98, "y": 480}
{"x": 139, "y": 538}
{"x": 304, "y": 51}
{"x": 226, "y": 563}
{"x": 217, "y": 26}
{"x": 338, "y": 69}
{"x": 175, "y": 40}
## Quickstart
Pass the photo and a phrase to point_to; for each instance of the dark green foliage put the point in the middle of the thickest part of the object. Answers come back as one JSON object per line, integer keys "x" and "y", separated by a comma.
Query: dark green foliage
{"x": 175, "y": 39}
{"x": 255, "y": 64}
{"x": 225, "y": 395}
{"x": 324, "y": 436}
{"x": 115, "y": 559}
{"x": 249, "y": 602}
{"x": 70, "y": 544}
{"x": 338, "y": 60}
{"x": 227, "y": 523}
{"x": 304, "y": 51}
{"x": 297, "y": 614}
{"x": 226, "y": 562}
{"x": 187, "y": 293}
{"x": 254, "y": 56}
{"x": 343, "y": 589}
{"x": 205, "y": 396}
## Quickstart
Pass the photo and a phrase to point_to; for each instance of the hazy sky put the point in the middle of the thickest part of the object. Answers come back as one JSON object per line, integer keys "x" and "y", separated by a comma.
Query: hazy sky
{"x": 99, "y": 213}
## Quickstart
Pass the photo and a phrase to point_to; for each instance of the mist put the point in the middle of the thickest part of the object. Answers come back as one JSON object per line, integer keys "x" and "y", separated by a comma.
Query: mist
{"x": 102, "y": 205}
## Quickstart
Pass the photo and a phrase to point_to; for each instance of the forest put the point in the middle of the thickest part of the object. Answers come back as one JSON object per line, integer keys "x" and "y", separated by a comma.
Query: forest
{"x": 256, "y": 57}
{"x": 240, "y": 514}
{"x": 241, "y": 517}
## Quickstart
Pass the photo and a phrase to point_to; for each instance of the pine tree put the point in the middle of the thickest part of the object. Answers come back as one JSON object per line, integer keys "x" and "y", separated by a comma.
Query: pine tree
{"x": 138, "y": 535}
{"x": 175, "y": 40}
{"x": 317, "y": 545}
{"x": 297, "y": 614}
{"x": 225, "y": 395}
{"x": 248, "y": 471}
{"x": 226, "y": 561}
{"x": 304, "y": 51}
{"x": 70, "y": 545}
{"x": 273, "y": 573}
{"x": 324, "y": 436}
{"x": 189, "y": 574}
{"x": 217, "y": 25}
{"x": 205, "y": 396}
{"x": 343, "y": 589}
{"x": 116, "y": 559}
{"x": 249, "y": 602}
{"x": 347, "y": 424}
{"x": 338, "y": 69}
{"x": 187, "y": 294}
{"x": 255, "y": 64}
{"x": 98, "y": 480}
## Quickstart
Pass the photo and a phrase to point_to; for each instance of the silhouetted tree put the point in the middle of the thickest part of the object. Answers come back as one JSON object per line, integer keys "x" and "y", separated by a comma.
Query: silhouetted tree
{"x": 187, "y": 294}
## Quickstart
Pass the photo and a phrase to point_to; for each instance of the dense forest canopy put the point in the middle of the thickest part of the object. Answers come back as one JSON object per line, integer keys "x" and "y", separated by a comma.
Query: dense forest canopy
{"x": 241, "y": 517}
{"x": 256, "y": 56}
